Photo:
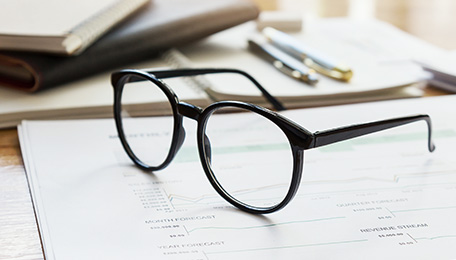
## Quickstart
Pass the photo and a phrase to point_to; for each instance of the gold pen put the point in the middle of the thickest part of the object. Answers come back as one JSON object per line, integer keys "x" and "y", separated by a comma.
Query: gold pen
{"x": 311, "y": 58}
{"x": 282, "y": 61}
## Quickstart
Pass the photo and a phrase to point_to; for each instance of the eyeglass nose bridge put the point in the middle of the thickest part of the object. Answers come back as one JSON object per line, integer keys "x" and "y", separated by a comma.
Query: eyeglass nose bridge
{"x": 189, "y": 110}
{"x": 194, "y": 112}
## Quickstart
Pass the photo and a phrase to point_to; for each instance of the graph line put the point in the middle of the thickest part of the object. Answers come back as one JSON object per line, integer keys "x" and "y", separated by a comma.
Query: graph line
{"x": 237, "y": 193}
{"x": 436, "y": 237}
{"x": 423, "y": 209}
{"x": 189, "y": 154}
{"x": 396, "y": 179}
{"x": 264, "y": 226}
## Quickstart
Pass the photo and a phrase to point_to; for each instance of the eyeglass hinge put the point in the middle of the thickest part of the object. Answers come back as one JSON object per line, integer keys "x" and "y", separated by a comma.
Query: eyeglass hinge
{"x": 312, "y": 141}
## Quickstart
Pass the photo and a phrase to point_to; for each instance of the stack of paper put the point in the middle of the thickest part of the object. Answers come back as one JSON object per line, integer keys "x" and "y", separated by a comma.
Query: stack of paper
{"x": 443, "y": 71}
{"x": 380, "y": 55}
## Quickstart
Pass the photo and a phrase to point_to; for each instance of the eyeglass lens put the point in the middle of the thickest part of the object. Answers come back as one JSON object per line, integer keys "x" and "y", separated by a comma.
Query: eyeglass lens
{"x": 255, "y": 170}
{"x": 149, "y": 140}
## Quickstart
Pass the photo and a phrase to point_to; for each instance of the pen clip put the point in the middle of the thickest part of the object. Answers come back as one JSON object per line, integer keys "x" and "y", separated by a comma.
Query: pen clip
{"x": 282, "y": 61}
{"x": 311, "y": 58}
{"x": 291, "y": 72}
{"x": 338, "y": 72}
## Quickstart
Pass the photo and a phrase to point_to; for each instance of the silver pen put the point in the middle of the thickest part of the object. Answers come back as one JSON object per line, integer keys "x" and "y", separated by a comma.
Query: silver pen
{"x": 282, "y": 61}
{"x": 312, "y": 58}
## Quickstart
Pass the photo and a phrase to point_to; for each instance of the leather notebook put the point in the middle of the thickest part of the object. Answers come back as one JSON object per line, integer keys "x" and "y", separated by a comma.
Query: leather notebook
{"x": 158, "y": 26}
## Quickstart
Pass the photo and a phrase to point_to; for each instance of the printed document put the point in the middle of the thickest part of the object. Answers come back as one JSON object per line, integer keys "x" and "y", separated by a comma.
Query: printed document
{"x": 381, "y": 196}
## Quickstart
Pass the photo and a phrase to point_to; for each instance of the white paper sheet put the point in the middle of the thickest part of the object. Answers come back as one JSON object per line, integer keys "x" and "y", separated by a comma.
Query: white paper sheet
{"x": 382, "y": 196}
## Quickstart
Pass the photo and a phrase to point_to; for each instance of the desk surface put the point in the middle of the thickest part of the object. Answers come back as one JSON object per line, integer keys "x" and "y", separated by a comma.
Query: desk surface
{"x": 19, "y": 238}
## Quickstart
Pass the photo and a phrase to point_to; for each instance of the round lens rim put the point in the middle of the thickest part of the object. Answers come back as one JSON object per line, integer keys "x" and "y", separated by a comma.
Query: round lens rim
{"x": 119, "y": 85}
{"x": 282, "y": 123}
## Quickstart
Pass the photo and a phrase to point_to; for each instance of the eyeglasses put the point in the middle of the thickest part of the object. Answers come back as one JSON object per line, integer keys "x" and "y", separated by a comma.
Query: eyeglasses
{"x": 260, "y": 176}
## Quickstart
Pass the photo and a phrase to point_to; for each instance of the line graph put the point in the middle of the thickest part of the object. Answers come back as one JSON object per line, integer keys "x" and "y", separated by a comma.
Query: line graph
{"x": 190, "y": 153}
{"x": 386, "y": 139}
{"x": 210, "y": 198}
{"x": 423, "y": 209}
{"x": 396, "y": 177}
{"x": 179, "y": 200}
{"x": 436, "y": 237}
{"x": 374, "y": 202}
{"x": 263, "y": 226}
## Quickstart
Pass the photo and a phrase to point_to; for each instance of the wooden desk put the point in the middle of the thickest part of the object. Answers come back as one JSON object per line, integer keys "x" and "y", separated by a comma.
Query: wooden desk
{"x": 19, "y": 237}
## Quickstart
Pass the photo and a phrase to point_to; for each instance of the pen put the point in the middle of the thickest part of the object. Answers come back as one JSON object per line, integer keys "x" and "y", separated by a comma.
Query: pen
{"x": 312, "y": 58}
{"x": 282, "y": 61}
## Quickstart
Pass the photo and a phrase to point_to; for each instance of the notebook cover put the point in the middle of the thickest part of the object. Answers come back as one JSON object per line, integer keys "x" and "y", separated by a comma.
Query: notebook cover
{"x": 158, "y": 26}
{"x": 32, "y": 26}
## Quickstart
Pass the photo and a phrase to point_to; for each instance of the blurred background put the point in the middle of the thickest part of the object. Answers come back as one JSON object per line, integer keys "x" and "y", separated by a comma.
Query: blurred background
{"x": 431, "y": 20}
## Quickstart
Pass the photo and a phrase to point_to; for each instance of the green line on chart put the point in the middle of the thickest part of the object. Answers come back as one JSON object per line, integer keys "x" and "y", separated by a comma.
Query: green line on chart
{"x": 265, "y": 226}
{"x": 190, "y": 154}
{"x": 383, "y": 139}
{"x": 288, "y": 247}
{"x": 437, "y": 237}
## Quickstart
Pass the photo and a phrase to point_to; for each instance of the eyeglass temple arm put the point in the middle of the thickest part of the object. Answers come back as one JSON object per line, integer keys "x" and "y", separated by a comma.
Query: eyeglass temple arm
{"x": 162, "y": 74}
{"x": 326, "y": 137}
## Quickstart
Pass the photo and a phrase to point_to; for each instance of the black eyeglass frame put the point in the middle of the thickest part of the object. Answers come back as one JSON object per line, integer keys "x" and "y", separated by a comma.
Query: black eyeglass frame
{"x": 299, "y": 138}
